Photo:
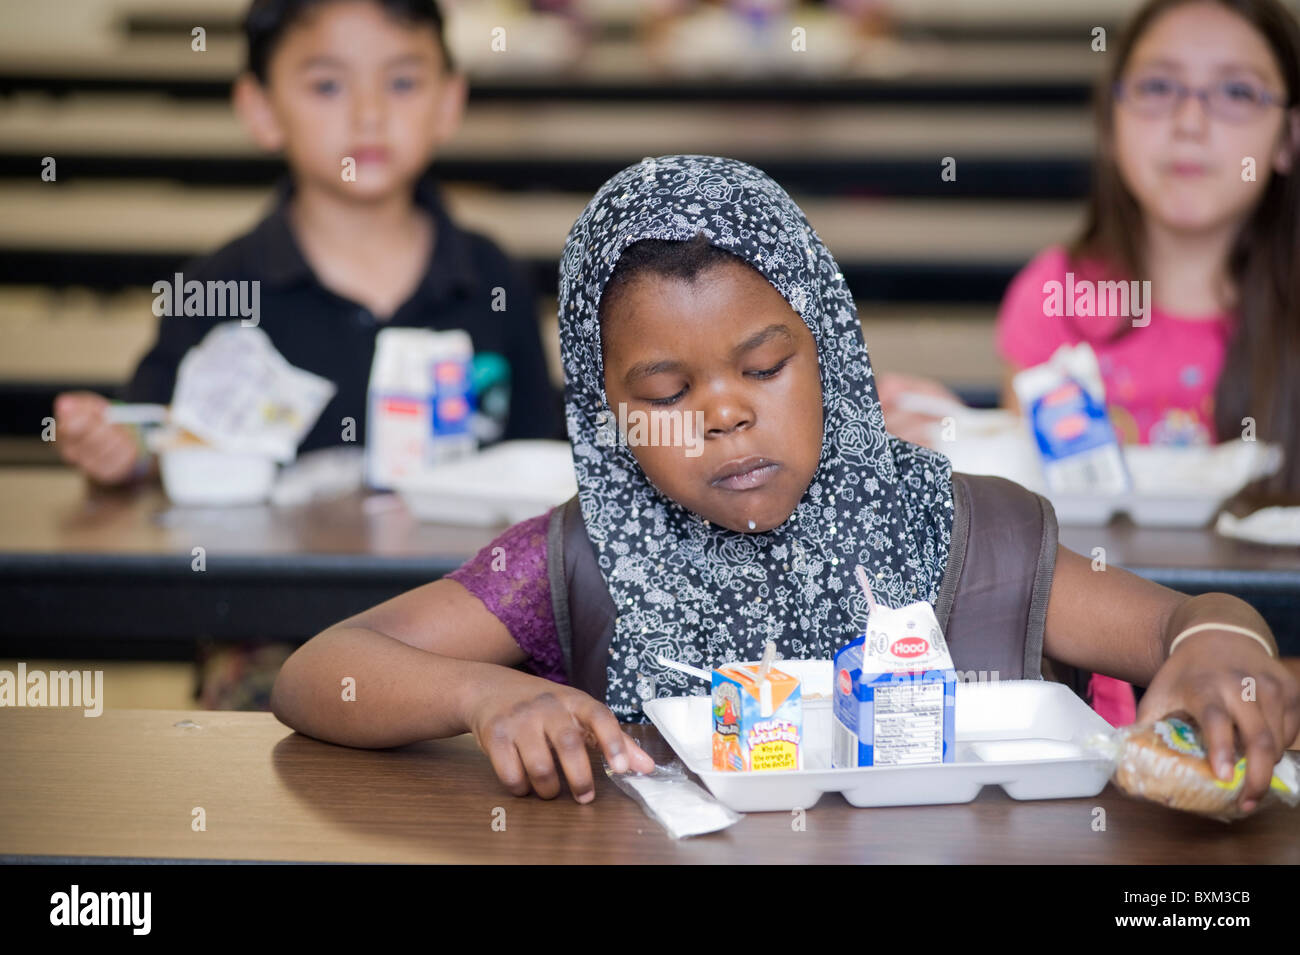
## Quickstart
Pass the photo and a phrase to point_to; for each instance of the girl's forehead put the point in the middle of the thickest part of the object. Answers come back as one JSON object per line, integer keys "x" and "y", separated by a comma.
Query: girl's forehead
{"x": 1204, "y": 38}
{"x": 730, "y": 298}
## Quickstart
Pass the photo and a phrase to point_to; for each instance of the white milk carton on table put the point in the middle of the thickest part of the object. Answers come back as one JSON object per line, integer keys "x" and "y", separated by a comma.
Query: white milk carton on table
{"x": 1064, "y": 401}
{"x": 420, "y": 403}
{"x": 895, "y": 692}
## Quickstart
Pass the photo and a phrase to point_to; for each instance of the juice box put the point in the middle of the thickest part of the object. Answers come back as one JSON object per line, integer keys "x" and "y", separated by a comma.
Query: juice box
{"x": 756, "y": 726}
{"x": 895, "y": 692}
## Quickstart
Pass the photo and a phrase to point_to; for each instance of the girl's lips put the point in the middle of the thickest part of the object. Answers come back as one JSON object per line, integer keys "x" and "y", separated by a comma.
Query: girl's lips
{"x": 747, "y": 481}
{"x": 371, "y": 154}
{"x": 1188, "y": 169}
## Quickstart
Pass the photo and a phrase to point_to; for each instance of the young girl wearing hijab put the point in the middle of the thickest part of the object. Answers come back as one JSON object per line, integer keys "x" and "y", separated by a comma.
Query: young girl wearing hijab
{"x": 694, "y": 284}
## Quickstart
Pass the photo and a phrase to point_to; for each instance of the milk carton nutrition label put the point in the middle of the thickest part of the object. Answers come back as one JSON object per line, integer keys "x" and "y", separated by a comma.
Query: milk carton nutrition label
{"x": 895, "y": 692}
{"x": 908, "y": 724}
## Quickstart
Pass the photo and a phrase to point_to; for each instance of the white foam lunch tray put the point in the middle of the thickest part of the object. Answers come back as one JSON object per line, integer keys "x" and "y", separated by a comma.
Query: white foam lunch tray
{"x": 1026, "y": 736}
{"x": 504, "y": 484}
{"x": 1145, "y": 510}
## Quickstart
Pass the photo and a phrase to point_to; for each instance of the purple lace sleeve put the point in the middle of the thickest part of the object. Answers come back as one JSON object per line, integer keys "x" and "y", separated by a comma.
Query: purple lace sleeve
{"x": 509, "y": 576}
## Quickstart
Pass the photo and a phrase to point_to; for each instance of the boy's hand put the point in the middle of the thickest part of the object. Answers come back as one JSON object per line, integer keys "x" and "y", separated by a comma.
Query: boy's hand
{"x": 106, "y": 453}
{"x": 1205, "y": 678}
{"x": 523, "y": 717}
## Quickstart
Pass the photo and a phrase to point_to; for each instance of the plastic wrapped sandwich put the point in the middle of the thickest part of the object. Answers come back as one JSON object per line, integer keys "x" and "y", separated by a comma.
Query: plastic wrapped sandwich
{"x": 1166, "y": 762}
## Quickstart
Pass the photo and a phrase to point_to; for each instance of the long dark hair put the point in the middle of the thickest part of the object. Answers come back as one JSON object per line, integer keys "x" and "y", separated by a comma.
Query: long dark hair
{"x": 1261, "y": 372}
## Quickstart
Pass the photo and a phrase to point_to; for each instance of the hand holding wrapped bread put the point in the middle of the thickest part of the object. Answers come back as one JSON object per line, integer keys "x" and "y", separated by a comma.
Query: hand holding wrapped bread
{"x": 1166, "y": 762}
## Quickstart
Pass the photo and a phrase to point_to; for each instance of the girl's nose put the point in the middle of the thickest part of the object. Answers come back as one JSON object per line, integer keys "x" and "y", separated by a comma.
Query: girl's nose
{"x": 1192, "y": 115}
{"x": 725, "y": 414}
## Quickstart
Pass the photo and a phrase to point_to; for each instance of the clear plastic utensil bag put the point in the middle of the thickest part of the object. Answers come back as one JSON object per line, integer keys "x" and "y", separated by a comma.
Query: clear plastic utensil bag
{"x": 671, "y": 799}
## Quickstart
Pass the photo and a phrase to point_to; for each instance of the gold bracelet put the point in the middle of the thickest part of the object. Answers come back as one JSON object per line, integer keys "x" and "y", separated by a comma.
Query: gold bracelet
{"x": 1231, "y": 628}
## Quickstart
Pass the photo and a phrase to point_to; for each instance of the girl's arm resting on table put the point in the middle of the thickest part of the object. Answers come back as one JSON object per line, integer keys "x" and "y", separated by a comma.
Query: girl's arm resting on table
{"x": 1116, "y": 623}
{"x": 435, "y": 662}
{"x": 414, "y": 660}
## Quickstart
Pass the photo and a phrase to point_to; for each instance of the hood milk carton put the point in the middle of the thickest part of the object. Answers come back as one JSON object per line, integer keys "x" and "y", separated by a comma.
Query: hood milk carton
{"x": 895, "y": 692}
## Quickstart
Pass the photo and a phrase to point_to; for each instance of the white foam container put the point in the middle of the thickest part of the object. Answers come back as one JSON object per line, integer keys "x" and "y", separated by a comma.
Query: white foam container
{"x": 507, "y": 483}
{"x": 202, "y": 476}
{"x": 1026, "y": 736}
{"x": 1172, "y": 486}
{"x": 1145, "y": 510}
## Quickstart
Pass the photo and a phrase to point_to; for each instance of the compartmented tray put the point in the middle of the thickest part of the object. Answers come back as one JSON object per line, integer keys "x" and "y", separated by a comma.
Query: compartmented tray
{"x": 1143, "y": 509}
{"x": 505, "y": 484}
{"x": 1026, "y": 736}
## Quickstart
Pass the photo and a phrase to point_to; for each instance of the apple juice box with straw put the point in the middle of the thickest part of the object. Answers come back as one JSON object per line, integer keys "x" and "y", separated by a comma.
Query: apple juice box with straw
{"x": 757, "y": 724}
{"x": 895, "y": 692}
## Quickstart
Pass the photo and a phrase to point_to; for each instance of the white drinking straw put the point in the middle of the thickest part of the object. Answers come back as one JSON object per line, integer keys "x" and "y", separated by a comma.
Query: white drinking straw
{"x": 861, "y": 573}
{"x": 764, "y": 684}
{"x": 684, "y": 668}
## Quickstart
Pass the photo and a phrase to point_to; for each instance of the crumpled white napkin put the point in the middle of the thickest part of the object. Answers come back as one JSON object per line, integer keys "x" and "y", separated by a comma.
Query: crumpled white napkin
{"x": 1200, "y": 470}
{"x": 1271, "y": 525}
{"x": 237, "y": 393}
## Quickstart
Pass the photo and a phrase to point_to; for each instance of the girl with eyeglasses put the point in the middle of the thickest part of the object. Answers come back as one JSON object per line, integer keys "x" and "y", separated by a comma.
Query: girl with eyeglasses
{"x": 1194, "y": 190}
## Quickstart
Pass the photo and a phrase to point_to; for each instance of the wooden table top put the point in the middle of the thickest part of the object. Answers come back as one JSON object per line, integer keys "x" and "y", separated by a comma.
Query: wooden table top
{"x": 47, "y": 511}
{"x": 112, "y": 568}
{"x": 125, "y": 785}
{"x": 1188, "y": 556}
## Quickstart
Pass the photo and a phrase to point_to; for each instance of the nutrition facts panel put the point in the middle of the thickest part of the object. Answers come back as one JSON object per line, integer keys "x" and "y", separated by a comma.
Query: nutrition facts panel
{"x": 908, "y": 724}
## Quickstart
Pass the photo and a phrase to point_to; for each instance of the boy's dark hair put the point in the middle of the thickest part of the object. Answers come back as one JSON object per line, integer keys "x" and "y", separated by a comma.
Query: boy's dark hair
{"x": 668, "y": 258}
{"x": 268, "y": 20}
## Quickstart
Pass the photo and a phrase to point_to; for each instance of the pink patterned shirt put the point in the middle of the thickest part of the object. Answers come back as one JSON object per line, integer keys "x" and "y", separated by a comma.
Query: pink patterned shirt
{"x": 1160, "y": 378}
{"x": 509, "y": 576}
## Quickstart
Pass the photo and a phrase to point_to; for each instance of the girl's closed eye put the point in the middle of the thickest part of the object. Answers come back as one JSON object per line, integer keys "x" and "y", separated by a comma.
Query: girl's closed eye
{"x": 670, "y": 400}
{"x": 774, "y": 370}
{"x": 762, "y": 374}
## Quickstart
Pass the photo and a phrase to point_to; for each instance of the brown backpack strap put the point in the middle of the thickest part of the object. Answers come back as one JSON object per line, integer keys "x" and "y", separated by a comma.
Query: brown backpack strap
{"x": 992, "y": 603}
{"x": 555, "y": 554}
{"x": 584, "y": 610}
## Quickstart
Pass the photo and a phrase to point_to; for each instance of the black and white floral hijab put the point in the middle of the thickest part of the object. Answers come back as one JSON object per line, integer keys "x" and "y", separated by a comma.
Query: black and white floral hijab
{"x": 686, "y": 588}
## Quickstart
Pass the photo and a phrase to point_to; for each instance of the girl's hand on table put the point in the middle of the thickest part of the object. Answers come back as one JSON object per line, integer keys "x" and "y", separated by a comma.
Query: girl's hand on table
{"x": 519, "y": 720}
{"x": 1204, "y": 677}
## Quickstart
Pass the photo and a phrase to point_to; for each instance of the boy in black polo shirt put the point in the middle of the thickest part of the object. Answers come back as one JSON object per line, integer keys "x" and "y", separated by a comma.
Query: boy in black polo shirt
{"x": 358, "y": 95}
